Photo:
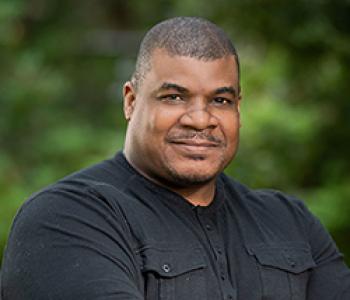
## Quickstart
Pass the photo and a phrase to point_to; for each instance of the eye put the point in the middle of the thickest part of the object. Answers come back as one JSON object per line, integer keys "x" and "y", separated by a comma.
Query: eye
{"x": 220, "y": 101}
{"x": 171, "y": 98}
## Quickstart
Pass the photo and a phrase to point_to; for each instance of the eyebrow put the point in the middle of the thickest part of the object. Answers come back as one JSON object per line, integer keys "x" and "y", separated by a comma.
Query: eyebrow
{"x": 226, "y": 89}
{"x": 173, "y": 86}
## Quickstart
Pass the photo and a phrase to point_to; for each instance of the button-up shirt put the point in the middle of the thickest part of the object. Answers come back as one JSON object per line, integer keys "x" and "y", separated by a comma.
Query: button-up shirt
{"x": 108, "y": 233}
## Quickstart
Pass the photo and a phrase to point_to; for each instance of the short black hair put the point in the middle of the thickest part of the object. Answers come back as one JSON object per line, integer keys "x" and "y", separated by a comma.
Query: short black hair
{"x": 184, "y": 36}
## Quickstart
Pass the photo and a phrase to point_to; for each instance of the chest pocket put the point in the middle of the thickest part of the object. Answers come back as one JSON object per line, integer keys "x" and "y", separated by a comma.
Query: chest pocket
{"x": 284, "y": 270}
{"x": 173, "y": 273}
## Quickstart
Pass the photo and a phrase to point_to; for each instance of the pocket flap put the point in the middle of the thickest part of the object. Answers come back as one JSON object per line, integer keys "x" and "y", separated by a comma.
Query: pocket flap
{"x": 292, "y": 258}
{"x": 171, "y": 261}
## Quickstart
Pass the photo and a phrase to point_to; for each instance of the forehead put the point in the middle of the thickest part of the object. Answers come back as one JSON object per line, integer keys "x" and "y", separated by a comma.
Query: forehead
{"x": 192, "y": 73}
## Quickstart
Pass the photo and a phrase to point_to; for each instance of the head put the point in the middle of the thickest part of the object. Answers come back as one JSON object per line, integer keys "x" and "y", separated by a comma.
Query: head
{"x": 183, "y": 36}
{"x": 182, "y": 103}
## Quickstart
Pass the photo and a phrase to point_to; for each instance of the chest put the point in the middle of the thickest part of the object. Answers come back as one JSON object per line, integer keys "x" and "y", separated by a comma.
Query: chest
{"x": 194, "y": 255}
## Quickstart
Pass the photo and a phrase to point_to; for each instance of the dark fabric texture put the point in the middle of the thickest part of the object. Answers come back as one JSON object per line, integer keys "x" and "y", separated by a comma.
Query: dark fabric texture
{"x": 106, "y": 232}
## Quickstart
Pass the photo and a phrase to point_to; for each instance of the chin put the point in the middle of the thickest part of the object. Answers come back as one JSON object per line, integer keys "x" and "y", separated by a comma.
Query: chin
{"x": 192, "y": 176}
{"x": 186, "y": 180}
{"x": 195, "y": 170}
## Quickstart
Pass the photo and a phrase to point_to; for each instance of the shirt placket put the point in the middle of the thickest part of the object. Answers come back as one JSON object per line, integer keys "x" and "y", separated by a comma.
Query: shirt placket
{"x": 214, "y": 238}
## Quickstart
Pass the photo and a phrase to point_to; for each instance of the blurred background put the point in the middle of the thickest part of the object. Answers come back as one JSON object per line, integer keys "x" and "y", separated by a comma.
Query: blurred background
{"x": 63, "y": 63}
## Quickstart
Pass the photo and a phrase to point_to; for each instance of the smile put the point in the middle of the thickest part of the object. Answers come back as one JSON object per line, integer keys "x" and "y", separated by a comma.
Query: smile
{"x": 195, "y": 143}
{"x": 193, "y": 146}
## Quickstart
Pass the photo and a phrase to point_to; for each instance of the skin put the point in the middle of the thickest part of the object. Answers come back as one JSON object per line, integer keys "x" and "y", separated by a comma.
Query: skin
{"x": 183, "y": 123}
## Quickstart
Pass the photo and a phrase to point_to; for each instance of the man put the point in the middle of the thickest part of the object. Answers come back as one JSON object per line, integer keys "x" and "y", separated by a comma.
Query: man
{"x": 160, "y": 220}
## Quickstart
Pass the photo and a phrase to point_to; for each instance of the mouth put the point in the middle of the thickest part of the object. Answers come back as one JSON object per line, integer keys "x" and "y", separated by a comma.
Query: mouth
{"x": 194, "y": 148}
{"x": 195, "y": 143}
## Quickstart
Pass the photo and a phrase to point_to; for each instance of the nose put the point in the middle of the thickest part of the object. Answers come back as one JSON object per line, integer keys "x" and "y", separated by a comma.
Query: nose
{"x": 198, "y": 116}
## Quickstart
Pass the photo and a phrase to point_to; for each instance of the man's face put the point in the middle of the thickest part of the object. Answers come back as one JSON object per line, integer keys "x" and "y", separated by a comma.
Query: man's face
{"x": 183, "y": 119}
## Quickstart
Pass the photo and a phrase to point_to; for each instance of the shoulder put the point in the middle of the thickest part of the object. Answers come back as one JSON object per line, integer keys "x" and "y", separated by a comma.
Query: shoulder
{"x": 73, "y": 225}
{"x": 92, "y": 192}
{"x": 269, "y": 208}
{"x": 269, "y": 198}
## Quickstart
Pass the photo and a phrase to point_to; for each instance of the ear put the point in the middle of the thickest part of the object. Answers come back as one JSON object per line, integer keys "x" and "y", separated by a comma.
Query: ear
{"x": 129, "y": 95}
{"x": 239, "y": 109}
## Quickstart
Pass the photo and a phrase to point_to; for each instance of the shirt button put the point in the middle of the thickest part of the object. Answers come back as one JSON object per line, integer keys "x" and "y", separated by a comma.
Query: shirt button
{"x": 223, "y": 277}
{"x": 229, "y": 297}
{"x": 166, "y": 268}
{"x": 208, "y": 227}
{"x": 219, "y": 251}
{"x": 290, "y": 261}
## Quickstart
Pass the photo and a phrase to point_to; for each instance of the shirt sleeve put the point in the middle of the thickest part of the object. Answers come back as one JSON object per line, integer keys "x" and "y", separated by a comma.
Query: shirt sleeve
{"x": 70, "y": 244}
{"x": 330, "y": 279}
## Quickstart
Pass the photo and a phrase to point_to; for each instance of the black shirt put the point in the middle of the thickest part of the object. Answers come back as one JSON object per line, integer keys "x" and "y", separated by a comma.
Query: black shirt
{"x": 108, "y": 233}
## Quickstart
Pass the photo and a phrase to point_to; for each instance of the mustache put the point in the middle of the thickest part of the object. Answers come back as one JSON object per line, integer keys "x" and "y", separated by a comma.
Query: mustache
{"x": 200, "y": 135}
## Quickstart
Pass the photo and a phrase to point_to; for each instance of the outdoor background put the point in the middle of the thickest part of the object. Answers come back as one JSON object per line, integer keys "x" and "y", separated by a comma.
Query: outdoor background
{"x": 63, "y": 63}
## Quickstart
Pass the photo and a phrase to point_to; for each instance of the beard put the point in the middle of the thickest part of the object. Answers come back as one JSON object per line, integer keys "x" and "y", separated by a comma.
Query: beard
{"x": 186, "y": 180}
{"x": 183, "y": 179}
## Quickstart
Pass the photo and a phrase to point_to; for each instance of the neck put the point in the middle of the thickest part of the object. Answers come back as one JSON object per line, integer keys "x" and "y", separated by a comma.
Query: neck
{"x": 198, "y": 195}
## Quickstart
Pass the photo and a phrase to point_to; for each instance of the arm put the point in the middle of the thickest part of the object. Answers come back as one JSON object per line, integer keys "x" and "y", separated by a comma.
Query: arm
{"x": 330, "y": 279}
{"x": 68, "y": 244}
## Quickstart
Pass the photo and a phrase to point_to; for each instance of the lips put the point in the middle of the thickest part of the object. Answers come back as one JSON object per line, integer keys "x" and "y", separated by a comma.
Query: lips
{"x": 195, "y": 143}
{"x": 197, "y": 149}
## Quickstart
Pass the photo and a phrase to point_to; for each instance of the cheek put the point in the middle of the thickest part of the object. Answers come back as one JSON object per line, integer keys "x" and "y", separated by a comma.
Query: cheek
{"x": 160, "y": 121}
{"x": 230, "y": 126}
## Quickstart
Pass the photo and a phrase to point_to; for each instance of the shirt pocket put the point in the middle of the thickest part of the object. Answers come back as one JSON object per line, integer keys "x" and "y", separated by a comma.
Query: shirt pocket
{"x": 284, "y": 270}
{"x": 173, "y": 273}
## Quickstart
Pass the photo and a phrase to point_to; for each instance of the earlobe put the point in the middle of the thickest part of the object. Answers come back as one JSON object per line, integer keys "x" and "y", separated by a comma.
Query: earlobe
{"x": 129, "y": 100}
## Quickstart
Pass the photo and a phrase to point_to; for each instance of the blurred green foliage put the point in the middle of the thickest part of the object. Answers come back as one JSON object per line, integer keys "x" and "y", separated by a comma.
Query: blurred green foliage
{"x": 63, "y": 63}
